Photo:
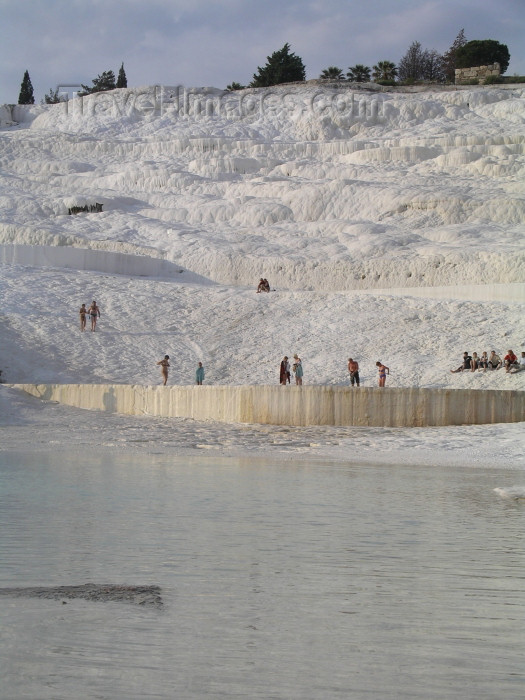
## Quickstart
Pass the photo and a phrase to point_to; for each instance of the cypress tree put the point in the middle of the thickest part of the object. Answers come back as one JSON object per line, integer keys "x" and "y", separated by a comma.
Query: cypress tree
{"x": 26, "y": 96}
{"x": 122, "y": 81}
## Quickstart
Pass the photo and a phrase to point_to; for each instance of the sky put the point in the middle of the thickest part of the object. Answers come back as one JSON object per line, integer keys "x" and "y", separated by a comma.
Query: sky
{"x": 215, "y": 42}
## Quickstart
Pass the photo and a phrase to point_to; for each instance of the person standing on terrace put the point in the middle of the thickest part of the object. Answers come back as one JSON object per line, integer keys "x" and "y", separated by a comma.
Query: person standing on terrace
{"x": 383, "y": 371}
{"x": 164, "y": 364}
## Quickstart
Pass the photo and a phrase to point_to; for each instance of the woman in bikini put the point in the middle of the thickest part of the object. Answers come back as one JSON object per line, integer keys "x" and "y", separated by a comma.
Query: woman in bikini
{"x": 383, "y": 371}
{"x": 83, "y": 314}
{"x": 164, "y": 364}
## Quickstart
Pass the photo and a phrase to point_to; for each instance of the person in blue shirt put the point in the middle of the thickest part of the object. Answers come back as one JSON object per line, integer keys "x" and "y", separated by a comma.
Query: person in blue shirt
{"x": 199, "y": 374}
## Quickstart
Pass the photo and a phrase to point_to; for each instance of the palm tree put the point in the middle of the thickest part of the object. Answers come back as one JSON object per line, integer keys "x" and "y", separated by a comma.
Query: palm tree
{"x": 358, "y": 73}
{"x": 332, "y": 73}
{"x": 384, "y": 70}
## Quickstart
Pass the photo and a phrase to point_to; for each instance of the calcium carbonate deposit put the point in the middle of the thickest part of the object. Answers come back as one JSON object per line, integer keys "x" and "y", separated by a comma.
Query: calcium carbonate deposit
{"x": 389, "y": 225}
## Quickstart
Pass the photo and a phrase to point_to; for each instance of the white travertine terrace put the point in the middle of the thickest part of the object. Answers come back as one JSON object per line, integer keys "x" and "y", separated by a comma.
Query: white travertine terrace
{"x": 306, "y": 405}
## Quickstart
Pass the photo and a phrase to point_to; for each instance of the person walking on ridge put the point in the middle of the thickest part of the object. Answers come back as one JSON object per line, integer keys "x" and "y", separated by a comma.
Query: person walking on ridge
{"x": 83, "y": 313}
{"x": 94, "y": 312}
{"x": 164, "y": 364}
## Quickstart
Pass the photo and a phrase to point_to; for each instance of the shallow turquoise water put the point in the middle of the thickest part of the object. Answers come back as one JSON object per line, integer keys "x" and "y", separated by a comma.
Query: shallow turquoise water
{"x": 280, "y": 580}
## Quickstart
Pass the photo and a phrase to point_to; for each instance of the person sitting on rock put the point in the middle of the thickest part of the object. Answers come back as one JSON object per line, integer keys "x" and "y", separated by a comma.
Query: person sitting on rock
{"x": 510, "y": 360}
{"x": 264, "y": 285}
{"x": 483, "y": 363}
{"x": 467, "y": 363}
{"x": 520, "y": 367}
{"x": 494, "y": 360}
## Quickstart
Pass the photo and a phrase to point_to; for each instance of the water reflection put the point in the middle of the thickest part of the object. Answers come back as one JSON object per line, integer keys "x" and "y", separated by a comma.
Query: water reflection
{"x": 291, "y": 580}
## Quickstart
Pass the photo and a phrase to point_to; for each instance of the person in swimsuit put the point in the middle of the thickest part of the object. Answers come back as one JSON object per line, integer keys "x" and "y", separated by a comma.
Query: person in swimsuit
{"x": 353, "y": 368}
{"x": 164, "y": 364}
{"x": 383, "y": 371}
{"x": 94, "y": 312}
{"x": 83, "y": 314}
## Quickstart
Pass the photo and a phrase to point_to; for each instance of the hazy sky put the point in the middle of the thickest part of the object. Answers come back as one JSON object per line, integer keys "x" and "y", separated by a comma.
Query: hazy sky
{"x": 214, "y": 42}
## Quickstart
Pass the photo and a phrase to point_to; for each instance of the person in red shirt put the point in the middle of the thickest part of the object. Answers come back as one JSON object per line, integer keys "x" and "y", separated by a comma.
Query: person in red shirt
{"x": 509, "y": 360}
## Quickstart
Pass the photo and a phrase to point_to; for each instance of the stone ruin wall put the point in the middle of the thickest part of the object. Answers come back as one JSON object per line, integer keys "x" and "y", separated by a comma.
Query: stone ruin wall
{"x": 464, "y": 75}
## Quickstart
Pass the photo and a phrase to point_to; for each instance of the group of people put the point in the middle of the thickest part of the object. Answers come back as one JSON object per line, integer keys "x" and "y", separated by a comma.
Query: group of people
{"x": 473, "y": 362}
{"x": 297, "y": 369}
{"x": 164, "y": 366}
{"x": 263, "y": 286}
{"x": 93, "y": 312}
{"x": 353, "y": 368}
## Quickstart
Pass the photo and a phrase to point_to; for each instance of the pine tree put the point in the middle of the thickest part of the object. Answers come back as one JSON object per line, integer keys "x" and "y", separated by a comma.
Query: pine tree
{"x": 101, "y": 83}
{"x": 52, "y": 97}
{"x": 234, "y": 86}
{"x": 449, "y": 57}
{"x": 434, "y": 70}
{"x": 482, "y": 52}
{"x": 412, "y": 65}
{"x": 26, "y": 96}
{"x": 282, "y": 67}
{"x": 122, "y": 81}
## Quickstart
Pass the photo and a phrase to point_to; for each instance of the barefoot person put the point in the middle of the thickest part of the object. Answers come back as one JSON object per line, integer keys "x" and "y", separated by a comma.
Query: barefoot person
{"x": 199, "y": 374}
{"x": 298, "y": 369}
{"x": 83, "y": 313}
{"x": 94, "y": 312}
{"x": 284, "y": 371}
{"x": 353, "y": 368}
{"x": 383, "y": 371}
{"x": 466, "y": 365}
{"x": 164, "y": 364}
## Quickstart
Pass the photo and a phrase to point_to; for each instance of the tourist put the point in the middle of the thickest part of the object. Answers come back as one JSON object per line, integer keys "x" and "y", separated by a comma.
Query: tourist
{"x": 94, "y": 312}
{"x": 284, "y": 372}
{"x": 510, "y": 360}
{"x": 475, "y": 362}
{"x": 264, "y": 285}
{"x": 494, "y": 360}
{"x": 83, "y": 313}
{"x": 467, "y": 362}
{"x": 521, "y": 366}
{"x": 298, "y": 370}
{"x": 199, "y": 374}
{"x": 383, "y": 371}
{"x": 353, "y": 368}
{"x": 164, "y": 364}
{"x": 483, "y": 363}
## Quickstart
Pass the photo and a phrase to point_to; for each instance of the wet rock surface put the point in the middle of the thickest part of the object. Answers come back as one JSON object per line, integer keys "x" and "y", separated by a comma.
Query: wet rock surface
{"x": 149, "y": 596}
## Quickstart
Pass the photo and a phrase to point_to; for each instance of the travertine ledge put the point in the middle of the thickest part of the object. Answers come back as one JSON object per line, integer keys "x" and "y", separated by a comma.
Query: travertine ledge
{"x": 293, "y": 405}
